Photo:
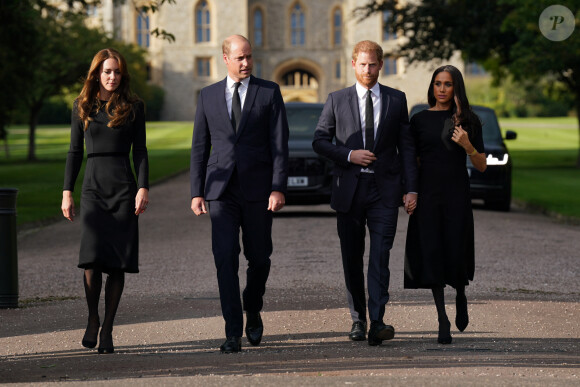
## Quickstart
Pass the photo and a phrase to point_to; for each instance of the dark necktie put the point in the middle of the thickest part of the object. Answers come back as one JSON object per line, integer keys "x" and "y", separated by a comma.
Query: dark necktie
{"x": 369, "y": 123}
{"x": 236, "y": 107}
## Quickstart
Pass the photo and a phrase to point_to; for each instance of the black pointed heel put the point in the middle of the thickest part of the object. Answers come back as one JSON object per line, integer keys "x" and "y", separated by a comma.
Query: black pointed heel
{"x": 90, "y": 336}
{"x": 106, "y": 343}
{"x": 462, "y": 316}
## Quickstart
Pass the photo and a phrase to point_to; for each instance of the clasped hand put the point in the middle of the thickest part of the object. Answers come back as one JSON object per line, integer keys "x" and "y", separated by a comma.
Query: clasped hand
{"x": 460, "y": 137}
{"x": 362, "y": 157}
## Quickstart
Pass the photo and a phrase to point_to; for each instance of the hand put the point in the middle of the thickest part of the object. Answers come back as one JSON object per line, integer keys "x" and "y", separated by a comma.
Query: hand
{"x": 68, "y": 205}
{"x": 362, "y": 157}
{"x": 198, "y": 206}
{"x": 460, "y": 137}
{"x": 141, "y": 200}
{"x": 276, "y": 201}
{"x": 410, "y": 201}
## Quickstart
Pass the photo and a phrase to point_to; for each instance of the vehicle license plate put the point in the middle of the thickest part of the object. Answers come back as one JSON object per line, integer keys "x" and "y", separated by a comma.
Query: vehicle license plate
{"x": 297, "y": 181}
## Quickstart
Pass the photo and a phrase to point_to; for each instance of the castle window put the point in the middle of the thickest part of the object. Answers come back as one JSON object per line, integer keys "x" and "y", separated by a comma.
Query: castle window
{"x": 258, "y": 68}
{"x": 297, "y": 29}
{"x": 390, "y": 65}
{"x": 258, "y": 28}
{"x": 143, "y": 29}
{"x": 203, "y": 66}
{"x": 388, "y": 32}
{"x": 202, "y": 22}
{"x": 337, "y": 27}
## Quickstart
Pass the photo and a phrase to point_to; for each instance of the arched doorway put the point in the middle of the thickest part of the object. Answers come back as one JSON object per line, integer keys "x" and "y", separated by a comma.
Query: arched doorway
{"x": 299, "y": 80}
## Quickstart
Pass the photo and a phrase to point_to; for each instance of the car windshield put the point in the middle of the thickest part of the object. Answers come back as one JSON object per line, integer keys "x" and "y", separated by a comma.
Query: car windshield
{"x": 491, "y": 132}
{"x": 302, "y": 121}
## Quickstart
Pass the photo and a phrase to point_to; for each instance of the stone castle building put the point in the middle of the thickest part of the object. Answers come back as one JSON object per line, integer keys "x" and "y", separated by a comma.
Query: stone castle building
{"x": 303, "y": 45}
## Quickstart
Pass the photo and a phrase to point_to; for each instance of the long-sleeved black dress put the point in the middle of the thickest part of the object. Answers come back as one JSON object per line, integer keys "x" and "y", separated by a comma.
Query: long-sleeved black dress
{"x": 110, "y": 235}
{"x": 439, "y": 249}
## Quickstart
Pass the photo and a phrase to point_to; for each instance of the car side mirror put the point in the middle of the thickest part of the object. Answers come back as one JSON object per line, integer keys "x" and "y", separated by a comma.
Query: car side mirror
{"x": 510, "y": 135}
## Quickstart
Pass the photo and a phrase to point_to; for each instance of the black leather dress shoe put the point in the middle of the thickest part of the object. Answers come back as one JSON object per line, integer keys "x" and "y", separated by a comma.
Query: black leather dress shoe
{"x": 254, "y": 328}
{"x": 358, "y": 331}
{"x": 379, "y": 332}
{"x": 232, "y": 344}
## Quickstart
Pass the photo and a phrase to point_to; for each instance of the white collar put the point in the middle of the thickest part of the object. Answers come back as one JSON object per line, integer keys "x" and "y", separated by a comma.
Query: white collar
{"x": 230, "y": 82}
{"x": 361, "y": 91}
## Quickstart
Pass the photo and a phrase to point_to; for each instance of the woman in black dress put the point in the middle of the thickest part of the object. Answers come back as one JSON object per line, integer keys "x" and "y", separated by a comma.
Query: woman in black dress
{"x": 439, "y": 249}
{"x": 110, "y": 121}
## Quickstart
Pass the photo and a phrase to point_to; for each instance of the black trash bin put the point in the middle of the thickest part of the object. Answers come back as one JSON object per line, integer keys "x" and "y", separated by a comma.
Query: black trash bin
{"x": 8, "y": 251}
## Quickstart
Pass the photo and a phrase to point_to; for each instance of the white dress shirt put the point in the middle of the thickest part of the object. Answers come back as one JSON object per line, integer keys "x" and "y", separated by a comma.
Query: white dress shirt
{"x": 361, "y": 93}
{"x": 242, "y": 91}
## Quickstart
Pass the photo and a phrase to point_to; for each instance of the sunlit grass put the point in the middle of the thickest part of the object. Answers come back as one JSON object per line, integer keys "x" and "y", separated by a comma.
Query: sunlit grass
{"x": 544, "y": 158}
{"x": 40, "y": 183}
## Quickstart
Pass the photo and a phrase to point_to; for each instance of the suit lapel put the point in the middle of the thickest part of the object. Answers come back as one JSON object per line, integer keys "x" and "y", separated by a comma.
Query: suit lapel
{"x": 385, "y": 102}
{"x": 248, "y": 103}
{"x": 355, "y": 113}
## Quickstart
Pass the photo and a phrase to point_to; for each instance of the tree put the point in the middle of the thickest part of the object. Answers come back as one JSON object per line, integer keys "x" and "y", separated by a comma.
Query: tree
{"x": 63, "y": 48}
{"x": 503, "y": 35}
{"x": 16, "y": 37}
{"x": 46, "y": 49}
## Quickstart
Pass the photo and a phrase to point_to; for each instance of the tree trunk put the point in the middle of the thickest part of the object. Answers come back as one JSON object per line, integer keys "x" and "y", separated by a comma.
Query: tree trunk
{"x": 33, "y": 119}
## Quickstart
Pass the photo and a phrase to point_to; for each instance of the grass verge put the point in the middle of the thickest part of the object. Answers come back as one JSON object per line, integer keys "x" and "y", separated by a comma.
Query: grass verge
{"x": 544, "y": 155}
{"x": 39, "y": 183}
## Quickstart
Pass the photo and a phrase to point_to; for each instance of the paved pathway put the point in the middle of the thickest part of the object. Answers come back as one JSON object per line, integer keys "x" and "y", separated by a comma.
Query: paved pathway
{"x": 524, "y": 311}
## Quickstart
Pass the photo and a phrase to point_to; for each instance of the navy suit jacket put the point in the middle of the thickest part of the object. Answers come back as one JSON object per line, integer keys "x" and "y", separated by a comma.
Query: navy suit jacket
{"x": 396, "y": 165}
{"x": 258, "y": 150}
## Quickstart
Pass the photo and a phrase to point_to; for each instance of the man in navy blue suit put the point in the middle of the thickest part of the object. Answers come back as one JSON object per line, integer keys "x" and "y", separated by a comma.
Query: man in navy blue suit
{"x": 375, "y": 163}
{"x": 239, "y": 173}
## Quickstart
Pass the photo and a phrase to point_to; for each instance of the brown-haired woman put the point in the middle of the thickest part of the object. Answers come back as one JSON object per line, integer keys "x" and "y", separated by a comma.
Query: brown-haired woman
{"x": 440, "y": 241}
{"x": 110, "y": 121}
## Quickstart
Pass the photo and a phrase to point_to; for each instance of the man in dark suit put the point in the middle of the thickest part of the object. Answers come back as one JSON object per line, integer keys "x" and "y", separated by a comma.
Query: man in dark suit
{"x": 375, "y": 160}
{"x": 239, "y": 172}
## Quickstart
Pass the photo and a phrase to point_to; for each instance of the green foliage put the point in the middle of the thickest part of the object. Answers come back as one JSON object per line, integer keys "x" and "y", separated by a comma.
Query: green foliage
{"x": 17, "y": 33}
{"x": 45, "y": 51}
{"x": 504, "y": 35}
{"x": 544, "y": 98}
{"x": 40, "y": 183}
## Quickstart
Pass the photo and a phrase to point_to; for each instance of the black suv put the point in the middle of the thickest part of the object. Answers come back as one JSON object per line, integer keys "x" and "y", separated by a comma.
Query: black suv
{"x": 494, "y": 185}
{"x": 310, "y": 175}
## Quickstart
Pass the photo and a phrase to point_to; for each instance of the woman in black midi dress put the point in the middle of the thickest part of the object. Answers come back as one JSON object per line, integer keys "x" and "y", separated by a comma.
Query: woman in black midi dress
{"x": 110, "y": 121}
{"x": 439, "y": 249}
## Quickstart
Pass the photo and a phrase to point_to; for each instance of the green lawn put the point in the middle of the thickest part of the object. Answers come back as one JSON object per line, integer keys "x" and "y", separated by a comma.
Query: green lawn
{"x": 40, "y": 183}
{"x": 544, "y": 158}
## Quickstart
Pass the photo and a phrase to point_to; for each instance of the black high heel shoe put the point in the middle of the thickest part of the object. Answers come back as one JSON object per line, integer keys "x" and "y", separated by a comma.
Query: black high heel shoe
{"x": 90, "y": 337}
{"x": 461, "y": 316}
{"x": 106, "y": 343}
{"x": 444, "y": 336}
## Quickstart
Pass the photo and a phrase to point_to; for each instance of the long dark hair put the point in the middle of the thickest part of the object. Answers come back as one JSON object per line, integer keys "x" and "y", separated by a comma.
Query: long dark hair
{"x": 466, "y": 115}
{"x": 122, "y": 99}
